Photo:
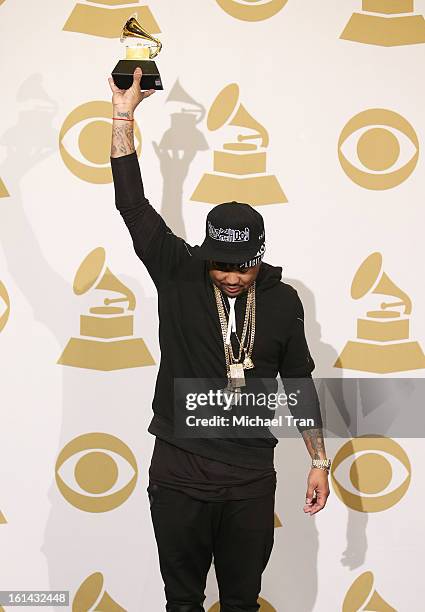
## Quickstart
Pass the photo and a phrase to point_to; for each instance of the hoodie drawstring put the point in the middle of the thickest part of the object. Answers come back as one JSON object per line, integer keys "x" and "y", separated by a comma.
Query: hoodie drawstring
{"x": 231, "y": 325}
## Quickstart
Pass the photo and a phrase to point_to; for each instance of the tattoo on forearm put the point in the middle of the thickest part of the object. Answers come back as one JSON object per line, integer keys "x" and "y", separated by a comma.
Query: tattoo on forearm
{"x": 122, "y": 138}
{"x": 315, "y": 444}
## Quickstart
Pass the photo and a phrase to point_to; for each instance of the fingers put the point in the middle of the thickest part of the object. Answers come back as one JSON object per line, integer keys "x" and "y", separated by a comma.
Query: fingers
{"x": 319, "y": 505}
{"x": 310, "y": 494}
{"x": 137, "y": 75}
{"x": 146, "y": 94}
{"x": 149, "y": 92}
{"x": 315, "y": 505}
{"x": 112, "y": 85}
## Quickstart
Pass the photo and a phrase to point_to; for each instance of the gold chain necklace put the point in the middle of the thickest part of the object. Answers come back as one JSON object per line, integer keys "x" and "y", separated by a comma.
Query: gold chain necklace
{"x": 247, "y": 362}
{"x": 233, "y": 367}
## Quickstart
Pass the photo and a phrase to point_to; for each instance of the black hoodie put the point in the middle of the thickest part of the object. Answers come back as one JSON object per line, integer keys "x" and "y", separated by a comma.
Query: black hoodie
{"x": 189, "y": 331}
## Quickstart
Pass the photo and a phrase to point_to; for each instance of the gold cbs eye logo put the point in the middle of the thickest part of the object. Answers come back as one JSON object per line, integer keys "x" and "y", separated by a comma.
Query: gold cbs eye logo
{"x": 385, "y": 139}
{"x": 94, "y": 141}
{"x": 96, "y": 472}
{"x": 366, "y": 487}
{"x": 252, "y": 10}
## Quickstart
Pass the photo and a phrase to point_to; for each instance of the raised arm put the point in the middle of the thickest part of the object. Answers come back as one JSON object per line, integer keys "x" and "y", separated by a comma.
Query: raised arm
{"x": 124, "y": 103}
{"x": 154, "y": 242}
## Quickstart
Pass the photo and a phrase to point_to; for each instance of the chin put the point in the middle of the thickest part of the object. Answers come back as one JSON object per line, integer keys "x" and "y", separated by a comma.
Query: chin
{"x": 233, "y": 292}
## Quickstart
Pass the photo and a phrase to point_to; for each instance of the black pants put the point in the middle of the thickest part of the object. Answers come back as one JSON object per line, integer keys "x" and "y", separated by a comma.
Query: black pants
{"x": 189, "y": 532}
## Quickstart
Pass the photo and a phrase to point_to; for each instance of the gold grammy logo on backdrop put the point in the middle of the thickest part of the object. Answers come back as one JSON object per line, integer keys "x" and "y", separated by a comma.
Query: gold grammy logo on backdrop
{"x": 277, "y": 521}
{"x": 252, "y": 10}
{"x": 106, "y": 343}
{"x": 96, "y": 472}
{"x": 94, "y": 141}
{"x": 240, "y": 169}
{"x": 386, "y": 24}
{"x": 3, "y": 191}
{"x": 382, "y": 344}
{"x": 2, "y": 518}
{"x": 107, "y": 20}
{"x": 378, "y": 148}
{"x": 265, "y": 606}
{"x": 4, "y": 306}
{"x": 362, "y": 596}
{"x": 363, "y": 485}
{"x": 92, "y": 593}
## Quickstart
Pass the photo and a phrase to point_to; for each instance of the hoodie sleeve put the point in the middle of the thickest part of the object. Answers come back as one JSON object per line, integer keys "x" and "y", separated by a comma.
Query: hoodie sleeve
{"x": 295, "y": 368}
{"x": 296, "y": 360}
{"x": 154, "y": 242}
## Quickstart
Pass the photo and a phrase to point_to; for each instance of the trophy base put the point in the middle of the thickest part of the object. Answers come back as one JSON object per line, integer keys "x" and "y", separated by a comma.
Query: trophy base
{"x": 381, "y": 358}
{"x": 385, "y": 31}
{"x": 256, "y": 190}
{"x": 106, "y": 356}
{"x": 123, "y": 74}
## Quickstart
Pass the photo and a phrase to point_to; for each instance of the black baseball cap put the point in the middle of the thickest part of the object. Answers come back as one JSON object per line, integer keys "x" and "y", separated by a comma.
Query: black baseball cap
{"x": 234, "y": 233}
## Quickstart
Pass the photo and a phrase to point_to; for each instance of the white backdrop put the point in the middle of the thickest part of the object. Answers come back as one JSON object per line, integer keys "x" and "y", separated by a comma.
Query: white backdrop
{"x": 303, "y": 83}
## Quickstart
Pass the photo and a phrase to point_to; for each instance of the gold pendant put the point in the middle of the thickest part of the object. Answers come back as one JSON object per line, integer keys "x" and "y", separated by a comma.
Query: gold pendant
{"x": 247, "y": 363}
{"x": 237, "y": 376}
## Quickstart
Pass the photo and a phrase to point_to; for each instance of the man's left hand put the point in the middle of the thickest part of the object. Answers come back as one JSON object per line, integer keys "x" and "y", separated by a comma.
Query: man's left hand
{"x": 317, "y": 491}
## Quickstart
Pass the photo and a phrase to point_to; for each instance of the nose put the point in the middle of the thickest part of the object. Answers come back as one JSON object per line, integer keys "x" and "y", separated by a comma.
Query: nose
{"x": 232, "y": 279}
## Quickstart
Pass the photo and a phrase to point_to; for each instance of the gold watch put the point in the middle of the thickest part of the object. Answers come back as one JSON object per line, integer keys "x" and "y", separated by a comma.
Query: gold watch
{"x": 323, "y": 464}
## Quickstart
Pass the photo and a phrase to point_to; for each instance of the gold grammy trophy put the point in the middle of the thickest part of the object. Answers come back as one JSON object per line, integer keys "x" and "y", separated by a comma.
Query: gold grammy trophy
{"x": 106, "y": 343}
{"x": 240, "y": 169}
{"x": 141, "y": 48}
{"x": 386, "y": 24}
{"x": 89, "y": 594}
{"x": 382, "y": 344}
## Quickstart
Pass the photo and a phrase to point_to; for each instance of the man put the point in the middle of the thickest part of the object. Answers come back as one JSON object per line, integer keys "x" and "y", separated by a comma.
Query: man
{"x": 223, "y": 313}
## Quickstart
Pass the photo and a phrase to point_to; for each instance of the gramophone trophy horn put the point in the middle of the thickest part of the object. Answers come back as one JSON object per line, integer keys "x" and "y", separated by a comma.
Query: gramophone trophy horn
{"x": 141, "y": 48}
{"x": 133, "y": 29}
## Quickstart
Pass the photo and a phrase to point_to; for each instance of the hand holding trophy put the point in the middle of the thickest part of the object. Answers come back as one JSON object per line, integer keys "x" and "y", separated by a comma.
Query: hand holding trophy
{"x": 127, "y": 99}
{"x": 141, "y": 48}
